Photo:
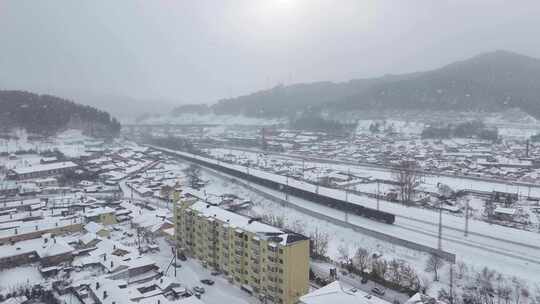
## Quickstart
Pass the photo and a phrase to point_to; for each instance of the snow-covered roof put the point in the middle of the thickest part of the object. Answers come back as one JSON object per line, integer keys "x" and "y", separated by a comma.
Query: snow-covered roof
{"x": 419, "y": 298}
{"x": 337, "y": 292}
{"x": 38, "y": 225}
{"x": 233, "y": 219}
{"x": 98, "y": 211}
{"x": 93, "y": 227}
{"x": 87, "y": 238}
{"x": 501, "y": 210}
{"x": 45, "y": 167}
{"x": 44, "y": 247}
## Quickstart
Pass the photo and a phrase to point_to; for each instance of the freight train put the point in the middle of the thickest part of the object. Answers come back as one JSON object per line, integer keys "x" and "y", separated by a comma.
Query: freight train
{"x": 334, "y": 203}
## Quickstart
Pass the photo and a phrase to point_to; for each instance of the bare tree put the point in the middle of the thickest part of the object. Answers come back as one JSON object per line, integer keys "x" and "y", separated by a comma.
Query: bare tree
{"x": 362, "y": 259}
{"x": 408, "y": 179}
{"x": 395, "y": 268}
{"x": 504, "y": 292}
{"x": 484, "y": 283}
{"x": 518, "y": 289}
{"x": 410, "y": 277}
{"x": 461, "y": 269}
{"x": 536, "y": 298}
{"x": 297, "y": 226}
{"x": 319, "y": 244}
{"x": 343, "y": 251}
{"x": 434, "y": 264}
{"x": 274, "y": 220}
{"x": 380, "y": 268}
{"x": 193, "y": 173}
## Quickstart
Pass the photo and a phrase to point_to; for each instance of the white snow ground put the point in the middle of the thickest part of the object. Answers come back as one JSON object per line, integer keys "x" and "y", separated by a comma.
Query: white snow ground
{"x": 509, "y": 251}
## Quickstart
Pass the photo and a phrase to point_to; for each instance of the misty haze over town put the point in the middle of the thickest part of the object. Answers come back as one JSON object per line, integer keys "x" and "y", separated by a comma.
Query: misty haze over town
{"x": 269, "y": 151}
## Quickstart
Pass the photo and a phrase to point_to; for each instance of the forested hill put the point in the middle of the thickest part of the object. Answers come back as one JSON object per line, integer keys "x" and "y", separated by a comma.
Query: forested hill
{"x": 488, "y": 82}
{"x": 283, "y": 101}
{"x": 47, "y": 115}
{"x": 492, "y": 82}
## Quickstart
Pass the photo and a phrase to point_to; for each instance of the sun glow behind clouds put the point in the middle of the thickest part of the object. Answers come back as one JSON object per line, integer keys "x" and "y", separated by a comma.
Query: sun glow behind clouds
{"x": 288, "y": 18}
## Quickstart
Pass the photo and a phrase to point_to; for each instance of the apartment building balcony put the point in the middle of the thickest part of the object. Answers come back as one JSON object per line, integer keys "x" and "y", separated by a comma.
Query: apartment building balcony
{"x": 255, "y": 270}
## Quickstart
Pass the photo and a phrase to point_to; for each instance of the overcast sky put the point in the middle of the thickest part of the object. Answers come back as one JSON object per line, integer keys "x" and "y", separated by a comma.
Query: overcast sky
{"x": 201, "y": 50}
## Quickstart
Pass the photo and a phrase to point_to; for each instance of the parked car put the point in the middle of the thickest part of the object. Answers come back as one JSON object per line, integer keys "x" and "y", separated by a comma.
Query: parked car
{"x": 199, "y": 289}
{"x": 364, "y": 280}
{"x": 207, "y": 282}
{"x": 216, "y": 273}
{"x": 182, "y": 256}
{"x": 378, "y": 291}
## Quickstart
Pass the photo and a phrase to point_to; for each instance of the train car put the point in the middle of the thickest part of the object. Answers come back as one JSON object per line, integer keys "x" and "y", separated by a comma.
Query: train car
{"x": 331, "y": 202}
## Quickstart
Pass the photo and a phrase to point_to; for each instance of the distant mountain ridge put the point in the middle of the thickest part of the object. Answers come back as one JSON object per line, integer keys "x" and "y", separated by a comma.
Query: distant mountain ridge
{"x": 489, "y": 82}
{"x": 47, "y": 115}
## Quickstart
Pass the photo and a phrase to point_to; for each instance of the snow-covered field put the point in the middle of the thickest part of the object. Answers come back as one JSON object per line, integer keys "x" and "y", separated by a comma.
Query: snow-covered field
{"x": 70, "y": 142}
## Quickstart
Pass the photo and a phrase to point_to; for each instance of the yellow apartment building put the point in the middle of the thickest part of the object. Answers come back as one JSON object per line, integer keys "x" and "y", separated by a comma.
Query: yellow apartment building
{"x": 265, "y": 261}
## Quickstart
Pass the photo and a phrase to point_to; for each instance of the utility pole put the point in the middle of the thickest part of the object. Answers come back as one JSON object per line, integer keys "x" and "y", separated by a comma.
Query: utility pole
{"x": 174, "y": 252}
{"x": 467, "y": 217}
{"x": 317, "y": 183}
{"x": 439, "y": 245}
{"x": 287, "y": 189}
{"x": 452, "y": 283}
{"x": 303, "y": 168}
{"x": 378, "y": 194}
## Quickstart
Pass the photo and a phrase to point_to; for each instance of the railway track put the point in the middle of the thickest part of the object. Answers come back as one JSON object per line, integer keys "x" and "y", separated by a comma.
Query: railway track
{"x": 536, "y": 247}
{"x": 480, "y": 245}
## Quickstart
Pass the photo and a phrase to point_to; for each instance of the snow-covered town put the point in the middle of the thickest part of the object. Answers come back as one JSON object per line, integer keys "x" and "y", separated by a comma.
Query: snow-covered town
{"x": 83, "y": 220}
{"x": 269, "y": 152}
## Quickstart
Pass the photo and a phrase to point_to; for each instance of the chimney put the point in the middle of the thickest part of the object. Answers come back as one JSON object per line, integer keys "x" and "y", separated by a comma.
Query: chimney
{"x": 104, "y": 294}
{"x": 104, "y": 256}
{"x": 37, "y": 228}
{"x": 112, "y": 264}
{"x": 16, "y": 231}
{"x": 97, "y": 285}
{"x": 114, "y": 247}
